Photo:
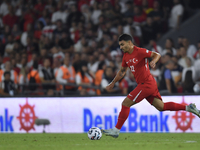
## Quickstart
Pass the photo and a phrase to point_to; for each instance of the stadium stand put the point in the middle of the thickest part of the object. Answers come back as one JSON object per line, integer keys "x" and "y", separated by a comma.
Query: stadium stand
{"x": 63, "y": 47}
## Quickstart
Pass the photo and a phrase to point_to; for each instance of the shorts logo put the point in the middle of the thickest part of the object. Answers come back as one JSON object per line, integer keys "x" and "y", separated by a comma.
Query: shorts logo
{"x": 130, "y": 95}
{"x": 147, "y": 51}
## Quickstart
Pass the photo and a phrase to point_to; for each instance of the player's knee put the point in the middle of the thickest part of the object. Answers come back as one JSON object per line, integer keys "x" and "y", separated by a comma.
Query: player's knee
{"x": 160, "y": 108}
{"x": 127, "y": 102}
{"x": 124, "y": 103}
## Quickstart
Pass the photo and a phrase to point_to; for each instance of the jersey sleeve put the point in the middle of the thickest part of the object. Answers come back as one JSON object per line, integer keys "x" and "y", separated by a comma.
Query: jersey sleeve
{"x": 145, "y": 53}
{"x": 124, "y": 62}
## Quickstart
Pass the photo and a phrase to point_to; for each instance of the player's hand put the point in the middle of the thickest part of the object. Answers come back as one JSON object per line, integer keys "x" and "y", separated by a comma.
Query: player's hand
{"x": 152, "y": 64}
{"x": 110, "y": 86}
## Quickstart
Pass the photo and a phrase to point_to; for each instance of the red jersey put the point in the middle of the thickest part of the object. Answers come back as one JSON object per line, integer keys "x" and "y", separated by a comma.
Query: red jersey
{"x": 138, "y": 63}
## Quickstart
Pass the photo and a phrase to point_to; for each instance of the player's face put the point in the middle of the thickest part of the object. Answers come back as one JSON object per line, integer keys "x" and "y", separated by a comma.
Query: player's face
{"x": 124, "y": 46}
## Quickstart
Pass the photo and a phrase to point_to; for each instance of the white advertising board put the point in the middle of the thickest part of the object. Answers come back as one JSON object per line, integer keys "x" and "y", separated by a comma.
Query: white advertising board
{"x": 78, "y": 114}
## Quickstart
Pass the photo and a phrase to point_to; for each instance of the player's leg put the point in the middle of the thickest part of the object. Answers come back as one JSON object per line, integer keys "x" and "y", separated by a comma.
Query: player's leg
{"x": 161, "y": 106}
{"x": 134, "y": 97}
{"x": 123, "y": 115}
{"x": 171, "y": 106}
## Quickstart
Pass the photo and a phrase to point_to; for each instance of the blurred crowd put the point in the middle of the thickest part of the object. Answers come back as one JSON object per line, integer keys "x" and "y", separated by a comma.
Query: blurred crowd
{"x": 49, "y": 47}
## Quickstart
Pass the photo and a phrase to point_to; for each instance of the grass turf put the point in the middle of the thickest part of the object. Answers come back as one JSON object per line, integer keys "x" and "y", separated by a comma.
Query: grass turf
{"x": 137, "y": 141}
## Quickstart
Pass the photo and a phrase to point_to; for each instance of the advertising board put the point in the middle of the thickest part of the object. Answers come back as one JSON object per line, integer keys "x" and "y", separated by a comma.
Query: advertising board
{"x": 78, "y": 114}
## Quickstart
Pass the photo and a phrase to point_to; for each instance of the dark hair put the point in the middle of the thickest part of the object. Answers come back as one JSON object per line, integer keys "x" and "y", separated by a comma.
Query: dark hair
{"x": 83, "y": 63}
{"x": 35, "y": 65}
{"x": 125, "y": 37}
{"x": 169, "y": 54}
{"x": 100, "y": 66}
{"x": 6, "y": 72}
{"x": 169, "y": 62}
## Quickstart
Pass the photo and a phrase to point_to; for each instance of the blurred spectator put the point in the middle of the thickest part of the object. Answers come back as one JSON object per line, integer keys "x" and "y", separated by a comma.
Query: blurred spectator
{"x": 155, "y": 72}
{"x": 60, "y": 14}
{"x": 2, "y": 47}
{"x": 85, "y": 78}
{"x": 26, "y": 34}
{"x": 4, "y": 8}
{"x": 99, "y": 75}
{"x": 182, "y": 60}
{"x": 28, "y": 18}
{"x": 176, "y": 15}
{"x": 197, "y": 54}
{"x": 76, "y": 61}
{"x": 96, "y": 12}
{"x": 154, "y": 47}
{"x": 14, "y": 66}
{"x": 45, "y": 43}
{"x": 75, "y": 15}
{"x": 48, "y": 29}
{"x": 169, "y": 46}
{"x": 10, "y": 19}
{"x": 56, "y": 65}
{"x": 197, "y": 68}
{"x": 86, "y": 12}
{"x": 188, "y": 77}
{"x": 15, "y": 31}
{"x": 163, "y": 60}
{"x": 57, "y": 33}
{"x": 66, "y": 74}
{"x": 7, "y": 87}
{"x": 78, "y": 47}
{"x": 57, "y": 53}
{"x": 129, "y": 11}
{"x": 156, "y": 12}
{"x": 33, "y": 77}
{"x": 93, "y": 64}
{"x": 190, "y": 49}
{"x": 21, "y": 60}
{"x": 38, "y": 8}
{"x": 66, "y": 43}
{"x": 145, "y": 6}
{"x": 149, "y": 31}
{"x": 139, "y": 16}
{"x": 137, "y": 40}
{"x": 180, "y": 41}
{"x": 177, "y": 72}
{"x": 167, "y": 85}
{"x": 106, "y": 79}
{"x": 38, "y": 30}
{"x": 13, "y": 74}
{"x": 196, "y": 88}
{"x": 22, "y": 76}
{"x": 47, "y": 76}
{"x": 9, "y": 46}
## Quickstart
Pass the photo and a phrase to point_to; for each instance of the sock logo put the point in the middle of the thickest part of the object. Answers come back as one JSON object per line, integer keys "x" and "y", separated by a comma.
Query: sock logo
{"x": 183, "y": 119}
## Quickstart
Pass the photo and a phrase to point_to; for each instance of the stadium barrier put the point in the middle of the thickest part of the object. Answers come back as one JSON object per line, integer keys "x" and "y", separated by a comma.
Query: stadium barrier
{"x": 24, "y": 89}
{"x": 78, "y": 114}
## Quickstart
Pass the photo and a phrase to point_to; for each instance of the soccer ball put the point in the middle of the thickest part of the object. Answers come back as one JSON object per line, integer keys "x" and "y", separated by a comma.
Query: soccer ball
{"x": 94, "y": 133}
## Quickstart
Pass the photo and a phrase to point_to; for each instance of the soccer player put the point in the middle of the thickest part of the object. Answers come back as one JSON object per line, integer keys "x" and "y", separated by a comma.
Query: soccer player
{"x": 135, "y": 59}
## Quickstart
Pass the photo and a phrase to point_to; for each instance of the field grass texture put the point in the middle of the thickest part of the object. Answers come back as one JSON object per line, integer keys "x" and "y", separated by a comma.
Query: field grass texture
{"x": 134, "y": 141}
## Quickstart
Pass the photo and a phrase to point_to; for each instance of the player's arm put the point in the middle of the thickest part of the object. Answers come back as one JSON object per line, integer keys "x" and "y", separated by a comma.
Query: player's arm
{"x": 121, "y": 73}
{"x": 156, "y": 57}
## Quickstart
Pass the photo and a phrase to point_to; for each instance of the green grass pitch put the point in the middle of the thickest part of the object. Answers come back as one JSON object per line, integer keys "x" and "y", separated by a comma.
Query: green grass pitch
{"x": 129, "y": 141}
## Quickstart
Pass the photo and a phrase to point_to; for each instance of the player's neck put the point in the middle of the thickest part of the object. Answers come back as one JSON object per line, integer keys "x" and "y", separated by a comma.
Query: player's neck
{"x": 131, "y": 49}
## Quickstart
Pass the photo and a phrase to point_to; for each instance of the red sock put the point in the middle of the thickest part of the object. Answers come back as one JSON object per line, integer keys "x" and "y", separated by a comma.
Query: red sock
{"x": 123, "y": 115}
{"x": 173, "y": 106}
